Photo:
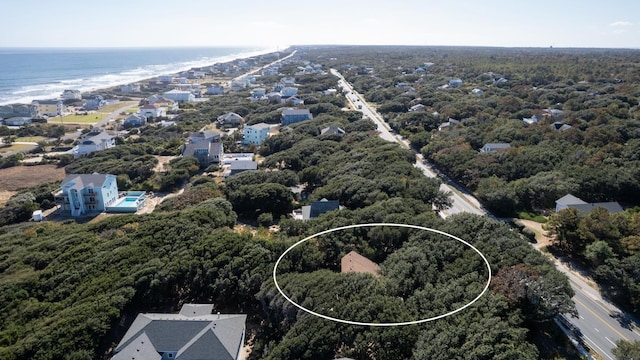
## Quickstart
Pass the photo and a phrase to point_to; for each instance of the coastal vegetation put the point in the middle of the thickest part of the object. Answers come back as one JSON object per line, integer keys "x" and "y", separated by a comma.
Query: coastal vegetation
{"x": 593, "y": 92}
{"x": 70, "y": 289}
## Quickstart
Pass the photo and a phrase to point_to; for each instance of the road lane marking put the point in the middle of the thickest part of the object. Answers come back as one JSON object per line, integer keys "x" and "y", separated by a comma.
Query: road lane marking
{"x": 612, "y": 343}
{"x": 601, "y": 319}
{"x": 575, "y": 283}
{"x": 596, "y": 329}
{"x": 602, "y": 352}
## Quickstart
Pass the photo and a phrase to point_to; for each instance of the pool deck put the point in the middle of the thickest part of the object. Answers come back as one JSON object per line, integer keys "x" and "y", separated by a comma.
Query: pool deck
{"x": 130, "y": 202}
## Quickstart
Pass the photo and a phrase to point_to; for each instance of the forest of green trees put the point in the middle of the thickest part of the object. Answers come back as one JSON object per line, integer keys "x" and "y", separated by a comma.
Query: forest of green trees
{"x": 595, "y": 158}
{"x": 69, "y": 289}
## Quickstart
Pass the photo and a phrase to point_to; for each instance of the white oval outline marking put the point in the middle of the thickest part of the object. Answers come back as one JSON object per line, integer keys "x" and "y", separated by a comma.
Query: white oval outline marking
{"x": 349, "y": 322}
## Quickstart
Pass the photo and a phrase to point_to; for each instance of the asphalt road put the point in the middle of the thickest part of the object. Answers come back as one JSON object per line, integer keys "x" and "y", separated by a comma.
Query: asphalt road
{"x": 265, "y": 66}
{"x": 461, "y": 202}
{"x": 599, "y": 324}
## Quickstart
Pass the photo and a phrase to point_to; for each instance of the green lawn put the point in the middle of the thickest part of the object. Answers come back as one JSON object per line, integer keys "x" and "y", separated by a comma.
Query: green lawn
{"x": 34, "y": 139}
{"x": 92, "y": 117}
{"x": 14, "y": 147}
{"x": 81, "y": 119}
{"x": 113, "y": 107}
{"x": 532, "y": 216}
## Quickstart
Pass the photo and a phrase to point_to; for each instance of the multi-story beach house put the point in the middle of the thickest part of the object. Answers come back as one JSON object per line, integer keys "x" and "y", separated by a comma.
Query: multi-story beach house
{"x": 134, "y": 120}
{"x": 230, "y": 118}
{"x": 258, "y": 93}
{"x": 215, "y": 89}
{"x": 152, "y": 110}
{"x": 255, "y": 134}
{"x": 205, "y": 152}
{"x": 130, "y": 88}
{"x": 291, "y": 116}
{"x": 19, "y": 110}
{"x": 94, "y": 141}
{"x": 162, "y": 101}
{"x": 80, "y": 194}
{"x": 289, "y": 91}
{"x": 94, "y": 102}
{"x": 179, "y": 95}
{"x": 71, "y": 95}
{"x": 52, "y": 107}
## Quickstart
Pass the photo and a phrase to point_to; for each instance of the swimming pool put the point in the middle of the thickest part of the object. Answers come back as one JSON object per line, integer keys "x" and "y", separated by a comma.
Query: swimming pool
{"x": 128, "y": 203}
{"x": 125, "y": 202}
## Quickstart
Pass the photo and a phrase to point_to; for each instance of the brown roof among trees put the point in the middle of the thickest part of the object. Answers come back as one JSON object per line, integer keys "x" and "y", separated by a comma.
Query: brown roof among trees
{"x": 354, "y": 262}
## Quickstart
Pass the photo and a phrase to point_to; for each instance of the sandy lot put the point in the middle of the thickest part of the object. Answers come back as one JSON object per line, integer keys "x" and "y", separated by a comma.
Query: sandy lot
{"x": 542, "y": 240}
{"x": 162, "y": 162}
{"x": 5, "y": 196}
{"x": 20, "y": 177}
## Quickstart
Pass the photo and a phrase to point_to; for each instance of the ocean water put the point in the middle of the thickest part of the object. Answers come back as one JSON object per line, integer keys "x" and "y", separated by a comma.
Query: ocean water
{"x": 43, "y": 73}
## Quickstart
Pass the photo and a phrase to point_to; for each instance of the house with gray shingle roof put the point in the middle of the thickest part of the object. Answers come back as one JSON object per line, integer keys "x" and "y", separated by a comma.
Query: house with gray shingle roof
{"x": 558, "y": 126}
{"x": 489, "y": 147}
{"x": 193, "y": 334}
{"x": 316, "y": 209}
{"x": 332, "y": 130}
{"x": 206, "y": 152}
{"x": 94, "y": 141}
{"x": 205, "y": 135}
{"x": 230, "y": 118}
{"x": 611, "y": 206}
{"x": 291, "y": 116}
{"x": 572, "y": 202}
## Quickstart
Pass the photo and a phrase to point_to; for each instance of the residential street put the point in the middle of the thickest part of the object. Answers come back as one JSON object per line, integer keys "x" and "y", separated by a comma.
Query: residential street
{"x": 461, "y": 202}
{"x": 599, "y": 324}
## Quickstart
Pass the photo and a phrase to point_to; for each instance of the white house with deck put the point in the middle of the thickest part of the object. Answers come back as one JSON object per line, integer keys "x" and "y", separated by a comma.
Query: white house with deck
{"x": 83, "y": 193}
{"x": 95, "y": 141}
{"x": 152, "y": 110}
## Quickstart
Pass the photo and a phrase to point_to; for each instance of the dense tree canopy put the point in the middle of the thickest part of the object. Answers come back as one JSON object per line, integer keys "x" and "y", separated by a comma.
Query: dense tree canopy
{"x": 69, "y": 289}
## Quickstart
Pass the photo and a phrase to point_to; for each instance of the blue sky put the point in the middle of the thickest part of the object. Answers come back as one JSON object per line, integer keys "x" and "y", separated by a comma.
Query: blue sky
{"x": 115, "y": 23}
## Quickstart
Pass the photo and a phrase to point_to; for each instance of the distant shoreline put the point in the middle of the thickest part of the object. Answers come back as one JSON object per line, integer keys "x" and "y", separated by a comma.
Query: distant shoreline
{"x": 116, "y": 88}
{"x": 27, "y": 99}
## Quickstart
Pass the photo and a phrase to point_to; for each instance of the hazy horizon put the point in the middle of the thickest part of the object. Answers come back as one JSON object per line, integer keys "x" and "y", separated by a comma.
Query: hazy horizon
{"x": 247, "y": 23}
